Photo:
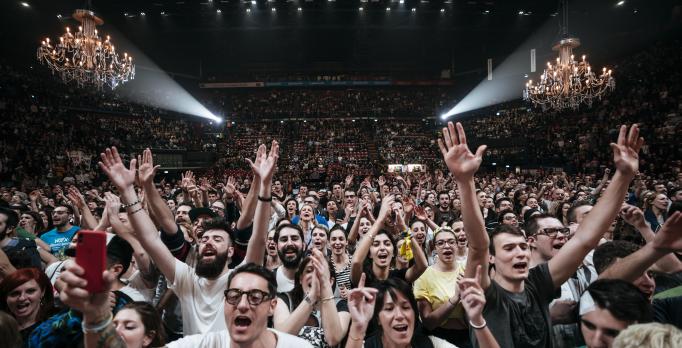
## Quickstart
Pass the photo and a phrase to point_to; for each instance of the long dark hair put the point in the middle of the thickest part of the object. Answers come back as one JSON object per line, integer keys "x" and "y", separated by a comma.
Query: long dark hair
{"x": 296, "y": 294}
{"x": 286, "y": 211}
{"x": 392, "y": 287}
{"x": 367, "y": 266}
{"x": 151, "y": 320}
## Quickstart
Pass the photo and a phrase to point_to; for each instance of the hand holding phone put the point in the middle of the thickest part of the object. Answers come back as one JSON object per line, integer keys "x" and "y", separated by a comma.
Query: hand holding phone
{"x": 91, "y": 254}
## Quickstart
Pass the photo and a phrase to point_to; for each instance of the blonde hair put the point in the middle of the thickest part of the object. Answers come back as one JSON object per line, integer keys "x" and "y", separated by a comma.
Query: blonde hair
{"x": 651, "y": 335}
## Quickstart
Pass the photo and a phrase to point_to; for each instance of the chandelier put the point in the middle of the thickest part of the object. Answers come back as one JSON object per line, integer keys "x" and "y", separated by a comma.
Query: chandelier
{"x": 83, "y": 57}
{"x": 568, "y": 83}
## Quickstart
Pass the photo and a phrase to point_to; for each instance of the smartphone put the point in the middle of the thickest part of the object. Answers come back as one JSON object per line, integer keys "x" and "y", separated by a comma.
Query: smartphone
{"x": 91, "y": 254}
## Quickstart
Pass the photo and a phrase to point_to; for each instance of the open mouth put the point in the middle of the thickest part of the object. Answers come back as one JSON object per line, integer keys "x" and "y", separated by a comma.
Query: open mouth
{"x": 209, "y": 252}
{"x": 382, "y": 256}
{"x": 558, "y": 246}
{"x": 242, "y": 321}
{"x": 400, "y": 328}
{"x": 520, "y": 266}
{"x": 447, "y": 252}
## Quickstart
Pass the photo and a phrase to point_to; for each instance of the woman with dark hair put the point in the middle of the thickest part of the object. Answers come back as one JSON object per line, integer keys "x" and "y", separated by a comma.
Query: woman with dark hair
{"x": 380, "y": 247}
{"x": 562, "y": 213}
{"x": 656, "y": 210}
{"x": 394, "y": 309}
{"x": 27, "y": 294}
{"x": 310, "y": 309}
{"x": 291, "y": 207}
{"x": 520, "y": 198}
{"x": 46, "y": 216}
{"x": 139, "y": 325}
{"x": 341, "y": 260}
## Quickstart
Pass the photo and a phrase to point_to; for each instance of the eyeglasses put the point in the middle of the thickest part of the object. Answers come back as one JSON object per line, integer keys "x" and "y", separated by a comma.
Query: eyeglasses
{"x": 255, "y": 296}
{"x": 552, "y": 232}
{"x": 309, "y": 202}
{"x": 441, "y": 243}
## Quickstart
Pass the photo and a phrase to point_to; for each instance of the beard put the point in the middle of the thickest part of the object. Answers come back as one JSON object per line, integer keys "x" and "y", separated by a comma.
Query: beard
{"x": 211, "y": 269}
{"x": 290, "y": 262}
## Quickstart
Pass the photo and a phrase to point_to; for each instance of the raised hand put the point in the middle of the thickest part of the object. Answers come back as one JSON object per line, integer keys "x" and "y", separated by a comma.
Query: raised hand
{"x": 230, "y": 186}
{"x": 420, "y": 213}
{"x": 349, "y": 180}
{"x": 632, "y": 215}
{"x": 626, "y": 150}
{"x": 361, "y": 301}
{"x": 113, "y": 167}
{"x": 76, "y": 197}
{"x": 321, "y": 268}
{"x": 187, "y": 179}
{"x": 74, "y": 295}
{"x": 459, "y": 159}
{"x": 669, "y": 237}
{"x": 264, "y": 166}
{"x": 386, "y": 206}
{"x": 472, "y": 297}
{"x": 147, "y": 170}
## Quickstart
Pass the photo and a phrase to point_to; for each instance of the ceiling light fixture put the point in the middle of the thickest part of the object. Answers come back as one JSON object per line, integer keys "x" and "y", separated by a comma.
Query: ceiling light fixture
{"x": 568, "y": 83}
{"x": 84, "y": 57}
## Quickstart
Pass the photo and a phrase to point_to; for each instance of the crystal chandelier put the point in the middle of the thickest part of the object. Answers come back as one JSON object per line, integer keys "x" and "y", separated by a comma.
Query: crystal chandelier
{"x": 568, "y": 83}
{"x": 83, "y": 57}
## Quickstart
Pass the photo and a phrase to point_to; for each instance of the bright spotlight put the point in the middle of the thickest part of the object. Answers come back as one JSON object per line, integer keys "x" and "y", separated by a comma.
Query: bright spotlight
{"x": 25, "y": 4}
{"x": 620, "y": 3}
{"x": 248, "y": 10}
{"x": 218, "y": 11}
{"x": 414, "y": 9}
{"x": 253, "y": 2}
{"x": 442, "y": 10}
{"x": 388, "y": 9}
{"x": 142, "y": 13}
{"x": 402, "y": 2}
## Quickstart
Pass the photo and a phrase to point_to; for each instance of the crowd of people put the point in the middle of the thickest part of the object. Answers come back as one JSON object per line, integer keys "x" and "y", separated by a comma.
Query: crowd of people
{"x": 329, "y": 247}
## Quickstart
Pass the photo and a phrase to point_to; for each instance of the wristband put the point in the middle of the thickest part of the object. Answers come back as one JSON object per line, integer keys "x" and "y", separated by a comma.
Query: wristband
{"x": 263, "y": 199}
{"x": 356, "y": 339}
{"x": 130, "y": 205}
{"x": 328, "y": 299}
{"x": 98, "y": 327}
{"x": 479, "y": 326}
{"x": 135, "y": 211}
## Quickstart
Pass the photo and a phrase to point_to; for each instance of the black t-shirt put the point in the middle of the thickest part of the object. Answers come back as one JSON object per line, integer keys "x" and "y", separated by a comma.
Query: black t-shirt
{"x": 668, "y": 311}
{"x": 521, "y": 319}
{"x": 372, "y": 281}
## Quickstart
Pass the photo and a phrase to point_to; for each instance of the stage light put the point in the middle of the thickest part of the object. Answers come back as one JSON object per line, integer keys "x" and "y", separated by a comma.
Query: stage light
{"x": 388, "y": 9}
{"x": 620, "y": 3}
{"x": 25, "y": 4}
{"x": 142, "y": 14}
{"x": 520, "y": 12}
{"x": 274, "y": 9}
{"x": 253, "y": 2}
{"x": 360, "y": 9}
{"x": 442, "y": 10}
{"x": 402, "y": 2}
{"x": 486, "y": 12}
{"x": 59, "y": 16}
{"x": 248, "y": 10}
{"x": 300, "y": 9}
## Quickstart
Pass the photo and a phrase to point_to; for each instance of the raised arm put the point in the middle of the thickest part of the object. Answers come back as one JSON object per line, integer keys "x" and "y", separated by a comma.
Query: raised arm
{"x": 249, "y": 206}
{"x": 157, "y": 206}
{"x": 141, "y": 258}
{"x": 363, "y": 248}
{"x": 473, "y": 301}
{"x": 87, "y": 220}
{"x": 361, "y": 302}
{"x": 668, "y": 239}
{"x": 590, "y": 231}
{"x": 123, "y": 178}
{"x": 263, "y": 169}
{"x": 463, "y": 164}
{"x": 635, "y": 217}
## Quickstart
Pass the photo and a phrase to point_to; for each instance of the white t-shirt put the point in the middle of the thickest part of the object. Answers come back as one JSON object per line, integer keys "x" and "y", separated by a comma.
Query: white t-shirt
{"x": 201, "y": 299}
{"x": 221, "y": 339}
{"x": 441, "y": 343}
{"x": 284, "y": 284}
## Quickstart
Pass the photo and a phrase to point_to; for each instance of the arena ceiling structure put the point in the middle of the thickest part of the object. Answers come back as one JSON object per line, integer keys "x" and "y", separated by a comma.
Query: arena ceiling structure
{"x": 203, "y": 40}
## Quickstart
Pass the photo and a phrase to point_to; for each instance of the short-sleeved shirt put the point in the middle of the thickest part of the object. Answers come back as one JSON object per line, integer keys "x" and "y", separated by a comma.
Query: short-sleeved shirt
{"x": 668, "y": 311}
{"x": 521, "y": 319}
{"x": 437, "y": 288}
{"x": 201, "y": 299}
{"x": 221, "y": 339}
{"x": 59, "y": 241}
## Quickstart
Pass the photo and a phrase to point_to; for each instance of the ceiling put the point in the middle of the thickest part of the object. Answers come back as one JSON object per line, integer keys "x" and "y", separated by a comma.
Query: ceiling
{"x": 192, "y": 39}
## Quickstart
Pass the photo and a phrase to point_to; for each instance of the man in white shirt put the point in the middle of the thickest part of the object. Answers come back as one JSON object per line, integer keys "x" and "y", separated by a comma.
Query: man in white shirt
{"x": 290, "y": 248}
{"x": 200, "y": 290}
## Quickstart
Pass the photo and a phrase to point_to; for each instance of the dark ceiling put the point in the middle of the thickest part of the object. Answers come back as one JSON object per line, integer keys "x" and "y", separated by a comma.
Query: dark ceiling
{"x": 191, "y": 38}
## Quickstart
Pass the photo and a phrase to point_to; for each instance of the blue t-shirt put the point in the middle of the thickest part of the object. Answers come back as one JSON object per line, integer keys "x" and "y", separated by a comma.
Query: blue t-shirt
{"x": 59, "y": 241}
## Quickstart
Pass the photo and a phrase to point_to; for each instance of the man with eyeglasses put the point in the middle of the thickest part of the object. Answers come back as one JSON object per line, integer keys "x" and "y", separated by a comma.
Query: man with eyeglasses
{"x": 60, "y": 236}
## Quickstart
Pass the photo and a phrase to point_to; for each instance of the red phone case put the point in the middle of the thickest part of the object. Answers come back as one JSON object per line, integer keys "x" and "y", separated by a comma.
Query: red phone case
{"x": 91, "y": 254}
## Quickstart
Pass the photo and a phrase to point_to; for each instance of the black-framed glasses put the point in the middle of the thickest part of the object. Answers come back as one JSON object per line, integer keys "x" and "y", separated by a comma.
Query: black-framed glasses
{"x": 255, "y": 296}
{"x": 441, "y": 243}
{"x": 552, "y": 232}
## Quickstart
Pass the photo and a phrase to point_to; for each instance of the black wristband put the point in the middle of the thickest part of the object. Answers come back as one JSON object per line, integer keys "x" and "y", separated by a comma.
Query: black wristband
{"x": 262, "y": 199}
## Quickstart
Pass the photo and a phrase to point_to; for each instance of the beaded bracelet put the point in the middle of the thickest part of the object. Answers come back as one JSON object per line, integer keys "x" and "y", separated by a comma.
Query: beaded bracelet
{"x": 130, "y": 205}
